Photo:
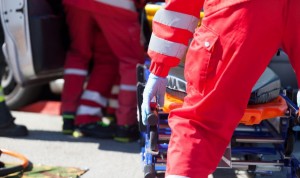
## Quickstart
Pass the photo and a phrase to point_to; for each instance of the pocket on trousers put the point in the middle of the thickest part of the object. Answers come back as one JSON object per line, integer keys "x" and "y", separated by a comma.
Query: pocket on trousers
{"x": 202, "y": 58}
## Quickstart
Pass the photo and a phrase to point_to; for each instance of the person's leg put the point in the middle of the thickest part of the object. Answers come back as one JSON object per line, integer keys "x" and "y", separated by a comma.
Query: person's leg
{"x": 291, "y": 38}
{"x": 7, "y": 126}
{"x": 123, "y": 36}
{"x": 228, "y": 54}
{"x": 113, "y": 103}
{"x": 95, "y": 98}
{"x": 77, "y": 62}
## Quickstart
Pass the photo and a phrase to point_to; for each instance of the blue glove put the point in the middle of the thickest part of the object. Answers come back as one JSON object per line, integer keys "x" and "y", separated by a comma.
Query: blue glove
{"x": 296, "y": 128}
{"x": 298, "y": 98}
{"x": 155, "y": 87}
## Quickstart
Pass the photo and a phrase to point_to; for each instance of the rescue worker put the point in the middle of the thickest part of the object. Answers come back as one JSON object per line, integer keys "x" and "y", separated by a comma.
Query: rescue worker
{"x": 227, "y": 55}
{"x": 8, "y": 128}
{"x": 120, "y": 33}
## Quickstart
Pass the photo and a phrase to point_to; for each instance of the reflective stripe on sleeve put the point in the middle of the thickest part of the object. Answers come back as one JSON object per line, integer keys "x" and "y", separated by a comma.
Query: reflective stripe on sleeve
{"x": 95, "y": 97}
{"x": 166, "y": 47}
{"x": 73, "y": 71}
{"x": 176, "y": 176}
{"x": 128, "y": 87}
{"x": 176, "y": 19}
{"x": 125, "y": 4}
{"x": 115, "y": 90}
{"x": 113, "y": 103}
{"x": 89, "y": 110}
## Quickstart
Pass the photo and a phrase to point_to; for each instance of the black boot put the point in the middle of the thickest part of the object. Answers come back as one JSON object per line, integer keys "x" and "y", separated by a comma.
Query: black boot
{"x": 11, "y": 129}
{"x": 127, "y": 133}
{"x": 97, "y": 130}
{"x": 68, "y": 123}
{"x": 8, "y": 128}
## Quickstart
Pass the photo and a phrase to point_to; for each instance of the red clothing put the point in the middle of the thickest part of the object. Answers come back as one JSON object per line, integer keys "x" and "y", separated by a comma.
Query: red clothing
{"x": 120, "y": 9}
{"x": 228, "y": 53}
{"x": 114, "y": 44}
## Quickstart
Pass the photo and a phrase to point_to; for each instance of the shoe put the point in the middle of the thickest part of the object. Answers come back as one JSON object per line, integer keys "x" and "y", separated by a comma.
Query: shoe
{"x": 68, "y": 126}
{"x": 97, "y": 130}
{"x": 127, "y": 133}
{"x": 68, "y": 123}
{"x": 13, "y": 130}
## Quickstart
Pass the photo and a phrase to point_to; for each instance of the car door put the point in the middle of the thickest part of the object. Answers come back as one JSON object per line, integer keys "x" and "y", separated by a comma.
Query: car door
{"x": 34, "y": 44}
{"x": 35, "y": 39}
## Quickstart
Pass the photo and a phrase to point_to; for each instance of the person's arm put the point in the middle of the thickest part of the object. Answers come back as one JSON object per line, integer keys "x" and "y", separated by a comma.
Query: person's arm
{"x": 173, "y": 27}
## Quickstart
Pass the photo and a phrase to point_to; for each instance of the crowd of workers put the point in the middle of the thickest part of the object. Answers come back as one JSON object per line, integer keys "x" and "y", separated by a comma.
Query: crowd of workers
{"x": 234, "y": 44}
{"x": 99, "y": 94}
{"x": 111, "y": 39}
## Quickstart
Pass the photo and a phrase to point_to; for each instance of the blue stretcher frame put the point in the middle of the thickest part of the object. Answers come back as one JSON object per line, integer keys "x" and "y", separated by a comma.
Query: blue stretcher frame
{"x": 265, "y": 140}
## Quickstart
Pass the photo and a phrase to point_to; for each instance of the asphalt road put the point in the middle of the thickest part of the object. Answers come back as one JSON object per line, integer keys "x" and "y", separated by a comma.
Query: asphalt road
{"x": 103, "y": 158}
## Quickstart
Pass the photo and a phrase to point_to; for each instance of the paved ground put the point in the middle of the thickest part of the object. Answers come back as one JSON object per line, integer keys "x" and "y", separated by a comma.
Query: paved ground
{"x": 104, "y": 158}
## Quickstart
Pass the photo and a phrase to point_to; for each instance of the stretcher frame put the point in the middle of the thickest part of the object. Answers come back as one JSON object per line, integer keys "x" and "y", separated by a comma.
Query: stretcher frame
{"x": 266, "y": 130}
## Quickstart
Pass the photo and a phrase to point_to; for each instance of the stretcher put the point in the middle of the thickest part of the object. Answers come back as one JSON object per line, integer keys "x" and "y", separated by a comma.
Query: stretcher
{"x": 262, "y": 143}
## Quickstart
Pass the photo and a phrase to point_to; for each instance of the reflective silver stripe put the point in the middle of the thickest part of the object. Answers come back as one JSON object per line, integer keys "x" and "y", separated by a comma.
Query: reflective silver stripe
{"x": 128, "y": 87}
{"x": 73, "y": 71}
{"x": 125, "y": 4}
{"x": 89, "y": 110}
{"x": 115, "y": 89}
{"x": 113, "y": 103}
{"x": 176, "y": 19}
{"x": 176, "y": 176}
{"x": 168, "y": 48}
{"x": 95, "y": 97}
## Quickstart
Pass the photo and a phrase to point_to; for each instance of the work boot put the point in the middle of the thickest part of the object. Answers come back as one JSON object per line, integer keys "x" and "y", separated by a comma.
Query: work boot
{"x": 97, "y": 130}
{"x": 68, "y": 123}
{"x": 13, "y": 130}
{"x": 127, "y": 133}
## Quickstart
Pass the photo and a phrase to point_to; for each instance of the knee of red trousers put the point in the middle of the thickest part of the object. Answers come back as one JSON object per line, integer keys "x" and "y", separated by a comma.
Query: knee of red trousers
{"x": 191, "y": 152}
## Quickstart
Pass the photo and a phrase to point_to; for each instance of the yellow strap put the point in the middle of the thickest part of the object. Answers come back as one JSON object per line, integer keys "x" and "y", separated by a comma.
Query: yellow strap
{"x": 2, "y": 98}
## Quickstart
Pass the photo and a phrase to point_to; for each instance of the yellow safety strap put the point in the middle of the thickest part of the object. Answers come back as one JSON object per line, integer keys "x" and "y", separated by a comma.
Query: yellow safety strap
{"x": 2, "y": 98}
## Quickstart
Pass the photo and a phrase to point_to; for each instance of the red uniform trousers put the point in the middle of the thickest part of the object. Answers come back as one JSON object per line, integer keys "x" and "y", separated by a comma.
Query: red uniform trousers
{"x": 228, "y": 54}
{"x": 121, "y": 36}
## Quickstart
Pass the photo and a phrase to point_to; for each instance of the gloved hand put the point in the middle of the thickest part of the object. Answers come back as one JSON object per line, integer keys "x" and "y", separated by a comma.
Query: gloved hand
{"x": 298, "y": 98}
{"x": 297, "y": 126}
{"x": 155, "y": 87}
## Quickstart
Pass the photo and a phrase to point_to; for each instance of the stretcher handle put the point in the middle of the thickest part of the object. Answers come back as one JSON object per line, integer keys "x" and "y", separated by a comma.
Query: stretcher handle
{"x": 152, "y": 119}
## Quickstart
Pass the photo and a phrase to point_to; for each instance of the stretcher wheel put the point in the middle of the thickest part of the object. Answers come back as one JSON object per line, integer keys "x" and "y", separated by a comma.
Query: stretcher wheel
{"x": 153, "y": 138}
{"x": 289, "y": 143}
{"x": 149, "y": 171}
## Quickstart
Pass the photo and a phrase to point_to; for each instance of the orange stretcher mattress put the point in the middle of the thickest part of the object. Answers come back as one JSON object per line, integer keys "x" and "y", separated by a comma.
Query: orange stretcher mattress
{"x": 254, "y": 114}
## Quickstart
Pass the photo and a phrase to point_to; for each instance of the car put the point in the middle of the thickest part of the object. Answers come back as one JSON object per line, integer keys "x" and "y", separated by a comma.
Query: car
{"x": 34, "y": 42}
{"x": 34, "y": 38}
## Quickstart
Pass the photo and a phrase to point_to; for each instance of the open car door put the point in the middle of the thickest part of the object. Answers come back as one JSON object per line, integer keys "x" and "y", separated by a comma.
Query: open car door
{"x": 35, "y": 40}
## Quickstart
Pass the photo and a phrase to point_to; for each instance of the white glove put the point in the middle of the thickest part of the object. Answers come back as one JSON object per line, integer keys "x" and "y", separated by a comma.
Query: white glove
{"x": 155, "y": 87}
